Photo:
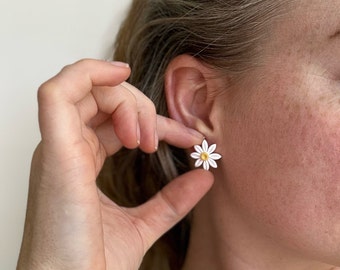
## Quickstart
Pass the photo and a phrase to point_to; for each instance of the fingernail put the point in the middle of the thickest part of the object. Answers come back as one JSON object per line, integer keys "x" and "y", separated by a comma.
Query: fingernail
{"x": 120, "y": 64}
{"x": 138, "y": 134}
{"x": 156, "y": 141}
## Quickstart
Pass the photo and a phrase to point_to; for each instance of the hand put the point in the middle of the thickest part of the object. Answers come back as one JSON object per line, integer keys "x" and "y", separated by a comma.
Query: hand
{"x": 87, "y": 113}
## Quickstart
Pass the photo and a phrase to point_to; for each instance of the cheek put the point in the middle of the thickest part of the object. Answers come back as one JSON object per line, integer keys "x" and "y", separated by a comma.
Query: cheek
{"x": 283, "y": 167}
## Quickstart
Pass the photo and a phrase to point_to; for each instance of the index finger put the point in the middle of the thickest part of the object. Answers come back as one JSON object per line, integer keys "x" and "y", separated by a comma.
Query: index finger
{"x": 177, "y": 134}
{"x": 57, "y": 98}
{"x": 75, "y": 81}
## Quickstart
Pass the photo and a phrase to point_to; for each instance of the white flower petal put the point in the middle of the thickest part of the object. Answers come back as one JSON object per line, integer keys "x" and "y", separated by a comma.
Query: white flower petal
{"x": 212, "y": 148}
{"x": 195, "y": 155}
{"x": 215, "y": 156}
{"x": 212, "y": 163}
{"x": 205, "y": 146}
{"x": 198, "y": 163}
{"x": 206, "y": 165}
{"x": 198, "y": 149}
{"x": 205, "y": 155}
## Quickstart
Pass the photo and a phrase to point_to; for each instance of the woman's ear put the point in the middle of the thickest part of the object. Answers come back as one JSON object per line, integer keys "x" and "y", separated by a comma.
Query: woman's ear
{"x": 191, "y": 88}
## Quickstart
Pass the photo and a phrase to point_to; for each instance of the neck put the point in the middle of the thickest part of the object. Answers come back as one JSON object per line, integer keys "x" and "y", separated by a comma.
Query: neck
{"x": 221, "y": 240}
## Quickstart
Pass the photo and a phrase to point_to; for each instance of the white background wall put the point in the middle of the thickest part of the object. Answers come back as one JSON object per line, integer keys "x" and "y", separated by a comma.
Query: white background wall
{"x": 37, "y": 38}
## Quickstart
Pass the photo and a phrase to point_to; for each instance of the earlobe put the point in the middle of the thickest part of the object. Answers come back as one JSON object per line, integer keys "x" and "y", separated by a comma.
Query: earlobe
{"x": 190, "y": 93}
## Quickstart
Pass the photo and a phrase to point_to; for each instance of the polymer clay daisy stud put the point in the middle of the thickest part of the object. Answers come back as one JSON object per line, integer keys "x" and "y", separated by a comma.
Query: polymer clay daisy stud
{"x": 205, "y": 155}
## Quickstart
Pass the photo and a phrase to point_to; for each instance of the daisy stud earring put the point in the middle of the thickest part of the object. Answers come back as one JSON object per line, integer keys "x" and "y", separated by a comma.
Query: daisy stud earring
{"x": 205, "y": 155}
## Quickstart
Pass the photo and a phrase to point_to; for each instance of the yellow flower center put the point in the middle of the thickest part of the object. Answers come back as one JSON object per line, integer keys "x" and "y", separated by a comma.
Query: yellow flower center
{"x": 204, "y": 156}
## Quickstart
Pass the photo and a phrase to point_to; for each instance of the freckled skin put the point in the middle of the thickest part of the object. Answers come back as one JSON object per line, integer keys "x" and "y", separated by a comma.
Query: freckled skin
{"x": 278, "y": 189}
{"x": 285, "y": 174}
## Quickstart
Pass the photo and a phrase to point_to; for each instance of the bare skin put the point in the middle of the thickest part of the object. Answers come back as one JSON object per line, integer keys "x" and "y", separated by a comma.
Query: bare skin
{"x": 275, "y": 203}
{"x": 275, "y": 200}
{"x": 87, "y": 113}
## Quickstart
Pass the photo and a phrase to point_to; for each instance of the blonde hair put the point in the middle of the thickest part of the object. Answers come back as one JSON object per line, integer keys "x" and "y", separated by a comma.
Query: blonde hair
{"x": 225, "y": 34}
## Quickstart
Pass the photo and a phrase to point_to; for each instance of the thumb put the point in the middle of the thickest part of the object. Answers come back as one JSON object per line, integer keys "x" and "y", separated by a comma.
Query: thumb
{"x": 171, "y": 204}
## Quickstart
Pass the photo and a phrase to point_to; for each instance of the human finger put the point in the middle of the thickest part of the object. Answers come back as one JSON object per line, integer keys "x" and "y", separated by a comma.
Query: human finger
{"x": 147, "y": 119}
{"x": 58, "y": 96}
{"x": 124, "y": 101}
{"x": 177, "y": 134}
{"x": 167, "y": 129}
{"x": 89, "y": 112}
{"x": 170, "y": 131}
{"x": 75, "y": 81}
{"x": 108, "y": 137}
{"x": 121, "y": 106}
{"x": 170, "y": 205}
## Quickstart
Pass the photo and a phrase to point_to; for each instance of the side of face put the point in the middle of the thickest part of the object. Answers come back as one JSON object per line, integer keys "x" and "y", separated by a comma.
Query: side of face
{"x": 280, "y": 134}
